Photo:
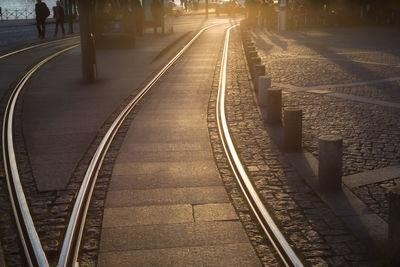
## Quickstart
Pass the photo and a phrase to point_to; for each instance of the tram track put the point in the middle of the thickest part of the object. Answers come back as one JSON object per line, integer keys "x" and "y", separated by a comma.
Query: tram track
{"x": 35, "y": 255}
{"x": 37, "y": 46}
{"x": 33, "y": 249}
{"x": 30, "y": 242}
{"x": 71, "y": 245}
{"x": 283, "y": 249}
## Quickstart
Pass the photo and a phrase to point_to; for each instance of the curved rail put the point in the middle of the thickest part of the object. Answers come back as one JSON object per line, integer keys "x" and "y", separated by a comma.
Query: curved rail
{"x": 73, "y": 236}
{"x": 279, "y": 242}
{"x": 33, "y": 249}
{"x": 35, "y": 46}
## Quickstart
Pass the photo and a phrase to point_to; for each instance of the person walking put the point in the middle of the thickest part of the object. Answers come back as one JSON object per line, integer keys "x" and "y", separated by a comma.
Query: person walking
{"x": 42, "y": 12}
{"x": 59, "y": 16}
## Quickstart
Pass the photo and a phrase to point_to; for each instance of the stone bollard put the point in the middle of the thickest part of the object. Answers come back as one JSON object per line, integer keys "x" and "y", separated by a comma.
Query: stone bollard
{"x": 259, "y": 70}
{"x": 255, "y": 61}
{"x": 249, "y": 43}
{"x": 394, "y": 226}
{"x": 250, "y": 46}
{"x": 274, "y": 106}
{"x": 252, "y": 53}
{"x": 292, "y": 129}
{"x": 330, "y": 163}
{"x": 264, "y": 83}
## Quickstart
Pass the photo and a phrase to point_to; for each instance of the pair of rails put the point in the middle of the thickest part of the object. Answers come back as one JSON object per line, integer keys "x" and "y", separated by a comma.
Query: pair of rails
{"x": 35, "y": 255}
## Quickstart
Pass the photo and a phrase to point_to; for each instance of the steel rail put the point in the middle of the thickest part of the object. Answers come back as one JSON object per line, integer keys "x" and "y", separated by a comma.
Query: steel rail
{"x": 35, "y": 46}
{"x": 287, "y": 255}
{"x": 73, "y": 236}
{"x": 35, "y": 255}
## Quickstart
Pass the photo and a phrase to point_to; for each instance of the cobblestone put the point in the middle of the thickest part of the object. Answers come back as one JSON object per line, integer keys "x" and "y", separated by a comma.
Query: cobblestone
{"x": 312, "y": 228}
{"x": 371, "y": 139}
{"x": 336, "y": 56}
{"x": 376, "y": 196}
{"x": 260, "y": 243}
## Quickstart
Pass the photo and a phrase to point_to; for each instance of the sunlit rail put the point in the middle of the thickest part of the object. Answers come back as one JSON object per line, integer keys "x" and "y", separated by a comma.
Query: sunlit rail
{"x": 287, "y": 255}
{"x": 36, "y": 46}
{"x": 35, "y": 255}
{"x": 73, "y": 236}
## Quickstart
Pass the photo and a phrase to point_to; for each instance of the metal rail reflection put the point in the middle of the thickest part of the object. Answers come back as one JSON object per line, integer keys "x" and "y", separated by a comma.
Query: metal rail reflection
{"x": 73, "y": 236}
{"x": 33, "y": 249}
{"x": 287, "y": 255}
{"x": 35, "y": 46}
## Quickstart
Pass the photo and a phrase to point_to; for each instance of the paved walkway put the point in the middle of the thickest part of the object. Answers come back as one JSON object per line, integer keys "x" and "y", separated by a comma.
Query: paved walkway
{"x": 61, "y": 118}
{"x": 166, "y": 204}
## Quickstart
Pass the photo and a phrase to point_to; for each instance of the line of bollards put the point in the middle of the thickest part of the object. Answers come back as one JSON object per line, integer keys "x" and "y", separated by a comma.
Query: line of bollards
{"x": 270, "y": 100}
{"x": 330, "y": 147}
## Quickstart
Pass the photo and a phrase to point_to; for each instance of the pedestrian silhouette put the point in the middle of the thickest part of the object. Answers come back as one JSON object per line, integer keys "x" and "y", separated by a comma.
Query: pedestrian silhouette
{"x": 59, "y": 16}
{"x": 42, "y": 12}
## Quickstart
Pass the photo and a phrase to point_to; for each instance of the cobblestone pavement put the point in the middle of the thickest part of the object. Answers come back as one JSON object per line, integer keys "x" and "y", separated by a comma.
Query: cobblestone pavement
{"x": 370, "y": 133}
{"x": 314, "y": 231}
{"x": 376, "y": 196}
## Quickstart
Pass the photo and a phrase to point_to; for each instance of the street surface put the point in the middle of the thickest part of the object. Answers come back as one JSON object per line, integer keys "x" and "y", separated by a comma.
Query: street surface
{"x": 347, "y": 82}
{"x": 17, "y": 33}
{"x": 165, "y": 193}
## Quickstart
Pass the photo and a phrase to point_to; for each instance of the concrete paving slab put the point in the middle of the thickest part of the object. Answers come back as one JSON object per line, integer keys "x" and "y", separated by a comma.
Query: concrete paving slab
{"x": 160, "y": 116}
{"x": 162, "y": 180}
{"x": 166, "y": 162}
{"x": 180, "y": 168}
{"x": 214, "y": 212}
{"x": 171, "y": 146}
{"x": 166, "y": 156}
{"x": 69, "y": 143}
{"x": 173, "y": 134}
{"x": 164, "y": 196}
{"x": 371, "y": 177}
{"x": 239, "y": 254}
{"x": 166, "y": 123}
{"x": 146, "y": 215}
{"x": 172, "y": 236}
{"x": 49, "y": 173}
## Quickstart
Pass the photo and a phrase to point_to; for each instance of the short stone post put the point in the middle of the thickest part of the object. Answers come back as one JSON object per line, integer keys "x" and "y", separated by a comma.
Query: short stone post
{"x": 330, "y": 163}
{"x": 264, "y": 83}
{"x": 394, "y": 226}
{"x": 292, "y": 129}
{"x": 252, "y": 54}
{"x": 255, "y": 61}
{"x": 274, "y": 106}
{"x": 249, "y": 45}
{"x": 259, "y": 70}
